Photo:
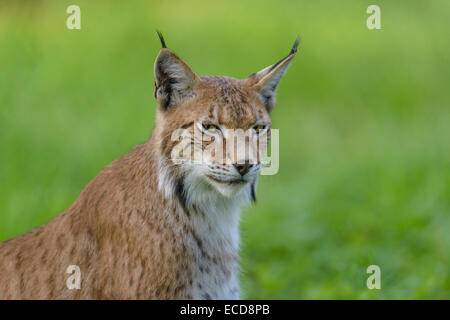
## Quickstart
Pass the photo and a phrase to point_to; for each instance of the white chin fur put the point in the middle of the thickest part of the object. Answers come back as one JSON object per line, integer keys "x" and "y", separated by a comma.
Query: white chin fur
{"x": 214, "y": 198}
{"x": 205, "y": 192}
{"x": 227, "y": 190}
{"x": 201, "y": 190}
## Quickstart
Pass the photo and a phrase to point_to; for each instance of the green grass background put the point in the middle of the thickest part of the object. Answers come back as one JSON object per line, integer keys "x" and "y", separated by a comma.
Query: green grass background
{"x": 363, "y": 116}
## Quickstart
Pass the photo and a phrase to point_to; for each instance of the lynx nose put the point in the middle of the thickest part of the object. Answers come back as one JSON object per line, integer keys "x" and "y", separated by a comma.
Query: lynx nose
{"x": 243, "y": 168}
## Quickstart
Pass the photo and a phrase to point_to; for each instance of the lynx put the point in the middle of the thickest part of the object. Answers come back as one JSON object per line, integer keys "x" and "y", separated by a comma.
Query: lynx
{"x": 150, "y": 227}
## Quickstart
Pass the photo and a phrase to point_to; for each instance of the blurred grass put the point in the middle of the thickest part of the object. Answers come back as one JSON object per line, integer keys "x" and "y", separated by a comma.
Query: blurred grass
{"x": 363, "y": 117}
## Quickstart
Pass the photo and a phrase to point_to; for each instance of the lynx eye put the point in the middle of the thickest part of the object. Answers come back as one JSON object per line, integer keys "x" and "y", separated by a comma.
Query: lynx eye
{"x": 210, "y": 128}
{"x": 259, "y": 128}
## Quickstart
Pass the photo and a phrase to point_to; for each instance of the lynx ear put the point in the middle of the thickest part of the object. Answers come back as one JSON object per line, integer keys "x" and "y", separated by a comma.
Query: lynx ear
{"x": 173, "y": 77}
{"x": 265, "y": 82}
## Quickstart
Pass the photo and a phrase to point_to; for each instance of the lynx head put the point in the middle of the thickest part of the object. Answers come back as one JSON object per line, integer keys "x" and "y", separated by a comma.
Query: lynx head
{"x": 217, "y": 126}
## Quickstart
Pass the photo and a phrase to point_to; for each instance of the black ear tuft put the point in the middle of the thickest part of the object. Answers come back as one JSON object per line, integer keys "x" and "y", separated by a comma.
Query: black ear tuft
{"x": 295, "y": 46}
{"x": 161, "y": 38}
{"x": 293, "y": 50}
{"x": 266, "y": 81}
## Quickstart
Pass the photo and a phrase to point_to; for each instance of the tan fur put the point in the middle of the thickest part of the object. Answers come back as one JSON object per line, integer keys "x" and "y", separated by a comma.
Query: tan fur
{"x": 130, "y": 239}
